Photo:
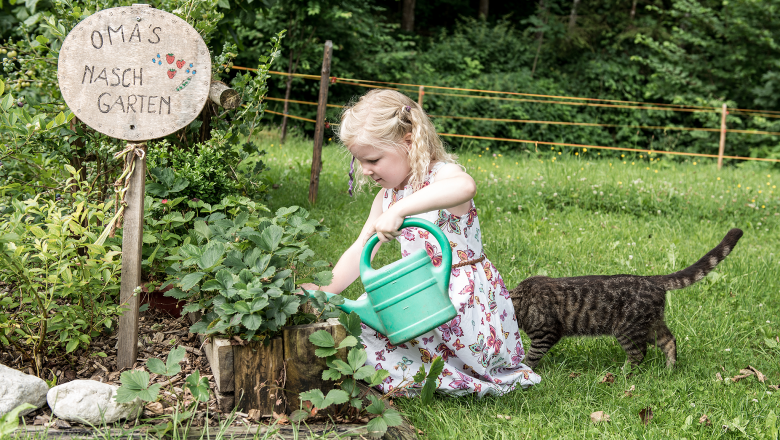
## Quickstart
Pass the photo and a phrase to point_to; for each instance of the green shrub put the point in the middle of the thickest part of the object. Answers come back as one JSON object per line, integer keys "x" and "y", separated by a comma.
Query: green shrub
{"x": 63, "y": 289}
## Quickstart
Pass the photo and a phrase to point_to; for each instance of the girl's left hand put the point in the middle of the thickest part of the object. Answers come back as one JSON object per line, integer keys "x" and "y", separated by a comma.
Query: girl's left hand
{"x": 387, "y": 225}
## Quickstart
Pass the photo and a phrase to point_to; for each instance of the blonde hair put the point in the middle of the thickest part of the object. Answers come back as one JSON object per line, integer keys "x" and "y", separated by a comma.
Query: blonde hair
{"x": 382, "y": 118}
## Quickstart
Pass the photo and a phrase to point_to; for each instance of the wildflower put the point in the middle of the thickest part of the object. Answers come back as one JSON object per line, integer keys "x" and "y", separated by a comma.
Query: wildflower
{"x": 494, "y": 155}
{"x": 164, "y": 201}
{"x": 739, "y": 185}
{"x": 718, "y": 178}
{"x": 694, "y": 163}
{"x": 330, "y": 139}
{"x": 584, "y": 150}
{"x": 630, "y": 257}
{"x": 622, "y": 155}
{"x": 762, "y": 206}
{"x": 559, "y": 153}
{"x": 576, "y": 153}
{"x": 499, "y": 155}
{"x": 632, "y": 163}
{"x": 480, "y": 155}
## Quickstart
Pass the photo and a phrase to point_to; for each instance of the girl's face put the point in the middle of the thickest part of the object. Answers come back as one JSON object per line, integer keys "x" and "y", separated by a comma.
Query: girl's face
{"x": 389, "y": 168}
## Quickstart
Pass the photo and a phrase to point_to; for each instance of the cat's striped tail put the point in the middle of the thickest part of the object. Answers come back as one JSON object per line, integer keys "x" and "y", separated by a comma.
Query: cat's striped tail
{"x": 701, "y": 268}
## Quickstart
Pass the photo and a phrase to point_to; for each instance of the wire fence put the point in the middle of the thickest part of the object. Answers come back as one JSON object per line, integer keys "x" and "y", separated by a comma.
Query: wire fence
{"x": 422, "y": 90}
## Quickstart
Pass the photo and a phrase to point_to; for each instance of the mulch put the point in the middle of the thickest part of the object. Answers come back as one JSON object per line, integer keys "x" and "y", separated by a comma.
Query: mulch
{"x": 158, "y": 333}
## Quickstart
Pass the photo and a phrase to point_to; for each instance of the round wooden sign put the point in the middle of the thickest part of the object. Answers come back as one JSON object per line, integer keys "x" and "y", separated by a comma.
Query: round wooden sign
{"x": 134, "y": 72}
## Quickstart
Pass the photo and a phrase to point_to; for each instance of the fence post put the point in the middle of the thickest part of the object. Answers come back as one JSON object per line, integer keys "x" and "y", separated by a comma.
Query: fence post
{"x": 319, "y": 130}
{"x": 132, "y": 243}
{"x": 722, "y": 147}
{"x": 420, "y": 96}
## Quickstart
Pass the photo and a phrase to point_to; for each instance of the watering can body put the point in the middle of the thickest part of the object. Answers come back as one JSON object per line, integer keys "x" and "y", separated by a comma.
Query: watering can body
{"x": 409, "y": 297}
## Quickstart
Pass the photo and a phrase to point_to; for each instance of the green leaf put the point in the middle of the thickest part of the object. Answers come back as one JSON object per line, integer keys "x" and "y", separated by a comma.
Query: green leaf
{"x": 771, "y": 343}
{"x": 72, "y": 345}
{"x": 392, "y": 417}
{"x": 420, "y": 376}
{"x": 211, "y": 255}
{"x": 223, "y": 4}
{"x": 378, "y": 377}
{"x": 431, "y": 380}
{"x": 241, "y": 307}
{"x": 364, "y": 372}
{"x": 202, "y": 228}
{"x": 357, "y": 357}
{"x": 351, "y": 323}
{"x": 376, "y": 406}
{"x": 252, "y": 321}
{"x": 343, "y": 367}
{"x": 349, "y": 341}
{"x": 198, "y": 386}
{"x": 135, "y": 384}
{"x": 331, "y": 374}
{"x": 211, "y": 285}
{"x": 190, "y": 280}
{"x": 156, "y": 366}
{"x": 270, "y": 238}
{"x": 322, "y": 338}
{"x": 376, "y": 427}
{"x": 225, "y": 278}
{"x": 314, "y": 396}
{"x": 172, "y": 362}
{"x": 2, "y": 89}
{"x": 325, "y": 352}
{"x": 7, "y": 102}
{"x": 337, "y": 396}
{"x": 10, "y": 421}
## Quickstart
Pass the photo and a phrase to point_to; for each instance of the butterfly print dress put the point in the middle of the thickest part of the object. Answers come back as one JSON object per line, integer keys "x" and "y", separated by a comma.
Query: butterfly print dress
{"x": 481, "y": 346}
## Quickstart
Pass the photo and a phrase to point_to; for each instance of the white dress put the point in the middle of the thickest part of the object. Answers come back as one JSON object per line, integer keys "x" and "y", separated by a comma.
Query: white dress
{"x": 481, "y": 347}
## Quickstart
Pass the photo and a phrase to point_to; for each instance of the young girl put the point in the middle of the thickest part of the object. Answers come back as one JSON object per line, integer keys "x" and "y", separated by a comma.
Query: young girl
{"x": 396, "y": 146}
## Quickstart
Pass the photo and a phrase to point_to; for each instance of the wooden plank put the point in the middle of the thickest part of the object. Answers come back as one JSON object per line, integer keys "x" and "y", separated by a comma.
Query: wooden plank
{"x": 220, "y": 355}
{"x": 304, "y": 368}
{"x": 258, "y": 373}
{"x": 319, "y": 130}
{"x": 420, "y": 96}
{"x": 132, "y": 235}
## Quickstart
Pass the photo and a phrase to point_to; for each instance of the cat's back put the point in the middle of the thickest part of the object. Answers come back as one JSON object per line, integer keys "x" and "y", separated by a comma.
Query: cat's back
{"x": 591, "y": 304}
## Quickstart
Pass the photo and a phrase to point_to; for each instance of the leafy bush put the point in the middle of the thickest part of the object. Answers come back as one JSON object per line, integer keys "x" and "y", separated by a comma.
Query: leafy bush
{"x": 62, "y": 287}
{"x": 241, "y": 270}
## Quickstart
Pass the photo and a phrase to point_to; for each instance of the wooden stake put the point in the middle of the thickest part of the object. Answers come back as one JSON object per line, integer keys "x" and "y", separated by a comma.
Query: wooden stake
{"x": 319, "y": 131}
{"x": 722, "y": 147}
{"x": 420, "y": 95}
{"x": 132, "y": 235}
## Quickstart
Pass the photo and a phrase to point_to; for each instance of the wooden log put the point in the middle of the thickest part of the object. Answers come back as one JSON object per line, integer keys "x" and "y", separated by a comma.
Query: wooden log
{"x": 420, "y": 96}
{"x": 304, "y": 368}
{"x": 258, "y": 372}
{"x": 132, "y": 235}
{"x": 222, "y": 95}
{"x": 319, "y": 130}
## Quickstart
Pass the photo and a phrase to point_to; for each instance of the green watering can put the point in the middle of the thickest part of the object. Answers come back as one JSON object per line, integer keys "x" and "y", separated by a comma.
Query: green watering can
{"x": 407, "y": 298}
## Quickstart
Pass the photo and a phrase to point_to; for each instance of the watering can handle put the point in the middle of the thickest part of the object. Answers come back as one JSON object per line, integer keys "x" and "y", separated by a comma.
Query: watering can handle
{"x": 442, "y": 272}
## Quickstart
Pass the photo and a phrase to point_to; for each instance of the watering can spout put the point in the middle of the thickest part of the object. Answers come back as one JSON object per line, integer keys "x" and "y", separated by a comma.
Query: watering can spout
{"x": 362, "y": 307}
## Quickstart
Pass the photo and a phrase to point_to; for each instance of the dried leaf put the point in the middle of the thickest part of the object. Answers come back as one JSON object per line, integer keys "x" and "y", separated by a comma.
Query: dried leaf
{"x": 573, "y": 375}
{"x": 41, "y": 420}
{"x": 718, "y": 376}
{"x": 155, "y": 407}
{"x": 501, "y": 416}
{"x": 646, "y": 415}
{"x": 599, "y": 416}
{"x": 608, "y": 378}
{"x": 705, "y": 420}
{"x": 61, "y": 424}
{"x": 739, "y": 377}
{"x": 280, "y": 418}
{"x": 255, "y": 414}
{"x": 759, "y": 375}
{"x": 775, "y": 387}
{"x": 629, "y": 391}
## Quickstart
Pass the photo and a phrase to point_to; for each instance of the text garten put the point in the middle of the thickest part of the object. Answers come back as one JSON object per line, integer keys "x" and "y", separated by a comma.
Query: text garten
{"x": 125, "y": 106}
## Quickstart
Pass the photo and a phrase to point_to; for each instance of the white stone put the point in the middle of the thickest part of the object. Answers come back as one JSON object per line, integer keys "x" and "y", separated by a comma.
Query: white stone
{"x": 90, "y": 401}
{"x": 17, "y": 388}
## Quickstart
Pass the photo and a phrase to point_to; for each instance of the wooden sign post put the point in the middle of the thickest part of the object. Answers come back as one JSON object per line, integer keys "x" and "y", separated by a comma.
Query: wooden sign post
{"x": 134, "y": 73}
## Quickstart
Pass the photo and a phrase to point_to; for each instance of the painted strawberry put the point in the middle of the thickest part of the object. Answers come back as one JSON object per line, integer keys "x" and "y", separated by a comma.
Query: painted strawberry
{"x": 180, "y": 64}
{"x": 170, "y": 58}
{"x": 171, "y": 73}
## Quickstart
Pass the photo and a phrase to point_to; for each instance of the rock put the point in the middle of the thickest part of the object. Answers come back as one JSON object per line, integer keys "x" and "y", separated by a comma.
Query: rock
{"x": 91, "y": 402}
{"x": 17, "y": 388}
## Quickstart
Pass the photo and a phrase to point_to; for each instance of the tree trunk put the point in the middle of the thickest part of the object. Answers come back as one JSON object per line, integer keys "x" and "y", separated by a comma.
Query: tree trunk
{"x": 407, "y": 17}
{"x": 573, "y": 16}
{"x": 287, "y": 96}
{"x": 539, "y": 35}
{"x": 483, "y": 9}
{"x": 633, "y": 10}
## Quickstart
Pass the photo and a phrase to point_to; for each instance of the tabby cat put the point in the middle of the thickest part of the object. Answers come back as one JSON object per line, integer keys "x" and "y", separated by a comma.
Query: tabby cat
{"x": 629, "y": 307}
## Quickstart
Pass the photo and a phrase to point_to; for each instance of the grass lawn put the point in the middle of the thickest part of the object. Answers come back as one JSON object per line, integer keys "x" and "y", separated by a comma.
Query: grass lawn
{"x": 581, "y": 215}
